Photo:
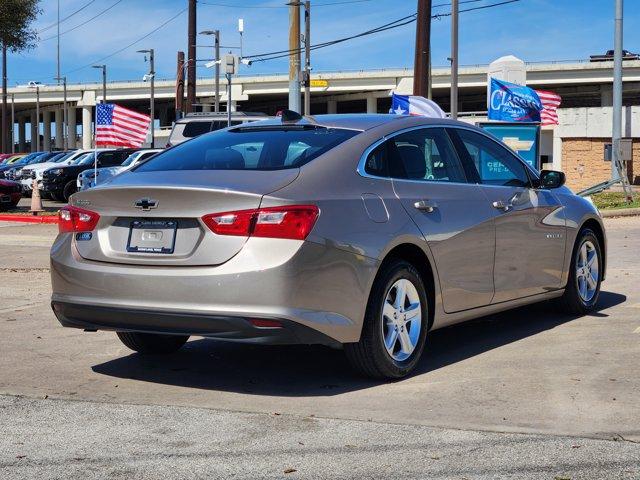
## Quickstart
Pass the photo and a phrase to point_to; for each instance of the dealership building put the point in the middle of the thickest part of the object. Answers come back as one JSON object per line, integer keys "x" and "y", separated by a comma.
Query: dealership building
{"x": 576, "y": 145}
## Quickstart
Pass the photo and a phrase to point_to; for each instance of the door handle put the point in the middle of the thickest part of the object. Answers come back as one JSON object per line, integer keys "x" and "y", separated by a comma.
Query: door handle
{"x": 426, "y": 205}
{"x": 501, "y": 205}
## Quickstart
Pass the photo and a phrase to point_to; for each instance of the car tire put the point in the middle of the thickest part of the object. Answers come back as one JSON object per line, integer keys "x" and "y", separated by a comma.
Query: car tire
{"x": 54, "y": 196}
{"x": 69, "y": 189}
{"x": 371, "y": 356}
{"x": 580, "y": 295}
{"x": 152, "y": 342}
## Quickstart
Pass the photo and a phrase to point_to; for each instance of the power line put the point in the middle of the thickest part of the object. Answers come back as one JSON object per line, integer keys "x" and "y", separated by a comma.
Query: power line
{"x": 85, "y": 22}
{"x": 131, "y": 44}
{"x": 67, "y": 17}
{"x": 388, "y": 26}
{"x": 327, "y": 4}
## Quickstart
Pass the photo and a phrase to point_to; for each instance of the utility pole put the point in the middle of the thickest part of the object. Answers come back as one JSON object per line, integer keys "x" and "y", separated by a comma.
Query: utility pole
{"x": 454, "y": 59}
{"x": 4, "y": 99}
{"x": 294, "y": 56}
{"x": 191, "y": 58}
{"x": 307, "y": 57}
{"x": 180, "y": 86}
{"x": 422, "y": 63}
{"x": 617, "y": 91}
{"x": 65, "y": 113}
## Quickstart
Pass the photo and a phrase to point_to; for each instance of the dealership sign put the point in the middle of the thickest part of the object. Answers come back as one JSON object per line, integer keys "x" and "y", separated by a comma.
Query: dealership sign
{"x": 510, "y": 102}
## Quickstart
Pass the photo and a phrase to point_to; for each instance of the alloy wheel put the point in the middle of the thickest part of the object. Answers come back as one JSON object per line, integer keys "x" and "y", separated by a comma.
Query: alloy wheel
{"x": 587, "y": 273}
{"x": 401, "y": 320}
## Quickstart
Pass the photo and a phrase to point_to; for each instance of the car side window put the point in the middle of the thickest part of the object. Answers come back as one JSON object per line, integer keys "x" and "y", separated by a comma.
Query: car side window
{"x": 376, "y": 162}
{"x": 424, "y": 154}
{"x": 495, "y": 164}
{"x": 109, "y": 159}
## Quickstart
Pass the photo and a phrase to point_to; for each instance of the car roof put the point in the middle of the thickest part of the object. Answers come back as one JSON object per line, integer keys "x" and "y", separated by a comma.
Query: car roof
{"x": 359, "y": 121}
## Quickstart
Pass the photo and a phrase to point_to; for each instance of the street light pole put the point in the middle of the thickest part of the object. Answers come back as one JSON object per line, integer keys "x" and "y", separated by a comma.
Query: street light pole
{"x": 13, "y": 123}
{"x": 216, "y": 53}
{"x": 104, "y": 81}
{"x": 454, "y": 59}
{"x": 151, "y": 76}
{"x": 294, "y": 56}
{"x": 65, "y": 113}
{"x": 307, "y": 57}
{"x": 37, "y": 118}
{"x": 617, "y": 92}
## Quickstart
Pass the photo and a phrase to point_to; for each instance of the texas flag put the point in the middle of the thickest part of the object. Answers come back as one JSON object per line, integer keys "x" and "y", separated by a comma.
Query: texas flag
{"x": 414, "y": 105}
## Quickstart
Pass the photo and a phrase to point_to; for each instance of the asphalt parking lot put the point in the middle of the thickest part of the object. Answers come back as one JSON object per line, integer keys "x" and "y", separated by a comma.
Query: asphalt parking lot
{"x": 523, "y": 394}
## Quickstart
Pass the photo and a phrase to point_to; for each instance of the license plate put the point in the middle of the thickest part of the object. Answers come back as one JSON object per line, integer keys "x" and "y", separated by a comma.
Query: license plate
{"x": 152, "y": 236}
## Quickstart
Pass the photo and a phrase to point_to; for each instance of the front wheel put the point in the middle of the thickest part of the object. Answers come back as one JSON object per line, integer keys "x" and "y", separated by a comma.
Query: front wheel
{"x": 152, "y": 342}
{"x": 583, "y": 286}
{"x": 69, "y": 189}
{"x": 395, "y": 324}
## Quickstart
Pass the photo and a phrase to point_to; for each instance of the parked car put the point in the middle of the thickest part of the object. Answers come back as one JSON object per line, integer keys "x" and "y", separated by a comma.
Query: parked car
{"x": 12, "y": 158}
{"x": 31, "y": 171}
{"x": 364, "y": 232}
{"x": 18, "y": 163}
{"x": 15, "y": 173}
{"x": 87, "y": 178}
{"x": 10, "y": 194}
{"x": 195, "y": 124}
{"x": 60, "y": 182}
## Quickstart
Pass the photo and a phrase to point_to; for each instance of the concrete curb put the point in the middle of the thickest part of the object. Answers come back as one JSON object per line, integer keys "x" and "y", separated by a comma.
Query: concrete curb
{"x": 620, "y": 212}
{"x": 29, "y": 218}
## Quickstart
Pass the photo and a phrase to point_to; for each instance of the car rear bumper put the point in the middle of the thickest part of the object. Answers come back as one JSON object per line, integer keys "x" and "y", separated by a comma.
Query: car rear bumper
{"x": 319, "y": 287}
{"x": 90, "y": 318}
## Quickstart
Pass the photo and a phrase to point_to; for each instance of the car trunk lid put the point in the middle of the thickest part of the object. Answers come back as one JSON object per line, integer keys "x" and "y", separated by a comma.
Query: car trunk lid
{"x": 154, "y": 218}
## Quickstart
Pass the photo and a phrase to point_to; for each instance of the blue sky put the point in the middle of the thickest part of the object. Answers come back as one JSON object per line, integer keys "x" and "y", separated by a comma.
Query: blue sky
{"x": 534, "y": 30}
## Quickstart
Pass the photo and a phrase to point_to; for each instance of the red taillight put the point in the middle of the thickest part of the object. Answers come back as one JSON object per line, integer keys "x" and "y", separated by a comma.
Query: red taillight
{"x": 264, "y": 323}
{"x": 74, "y": 219}
{"x": 293, "y": 222}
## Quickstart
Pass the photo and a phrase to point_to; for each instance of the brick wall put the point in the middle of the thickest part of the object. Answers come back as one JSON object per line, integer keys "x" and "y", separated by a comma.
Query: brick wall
{"x": 584, "y": 165}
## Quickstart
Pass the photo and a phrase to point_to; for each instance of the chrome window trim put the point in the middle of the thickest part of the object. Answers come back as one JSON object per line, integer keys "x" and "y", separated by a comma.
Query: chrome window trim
{"x": 363, "y": 158}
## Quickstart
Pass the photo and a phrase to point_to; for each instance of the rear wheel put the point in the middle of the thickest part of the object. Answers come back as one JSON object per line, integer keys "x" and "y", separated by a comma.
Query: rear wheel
{"x": 69, "y": 189}
{"x": 395, "y": 324}
{"x": 152, "y": 342}
{"x": 583, "y": 286}
{"x": 54, "y": 196}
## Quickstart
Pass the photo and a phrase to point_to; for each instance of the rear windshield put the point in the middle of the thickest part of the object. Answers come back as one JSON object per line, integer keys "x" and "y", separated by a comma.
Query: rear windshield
{"x": 195, "y": 129}
{"x": 246, "y": 148}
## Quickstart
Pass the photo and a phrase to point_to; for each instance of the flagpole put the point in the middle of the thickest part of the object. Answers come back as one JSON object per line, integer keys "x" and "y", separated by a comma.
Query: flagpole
{"x": 95, "y": 149}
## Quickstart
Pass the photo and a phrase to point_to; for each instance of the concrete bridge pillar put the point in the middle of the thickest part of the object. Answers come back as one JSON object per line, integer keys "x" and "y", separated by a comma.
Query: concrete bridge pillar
{"x": 71, "y": 130}
{"x": 46, "y": 121}
{"x": 372, "y": 104}
{"x": 332, "y": 106}
{"x": 87, "y": 138}
{"x": 21, "y": 134}
{"x": 35, "y": 131}
{"x": 59, "y": 119}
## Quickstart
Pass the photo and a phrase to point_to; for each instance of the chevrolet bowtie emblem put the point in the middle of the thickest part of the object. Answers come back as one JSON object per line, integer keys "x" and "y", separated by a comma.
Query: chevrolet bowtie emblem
{"x": 146, "y": 204}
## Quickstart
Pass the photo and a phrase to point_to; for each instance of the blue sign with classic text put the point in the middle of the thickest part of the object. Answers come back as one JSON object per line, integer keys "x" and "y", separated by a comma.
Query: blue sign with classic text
{"x": 510, "y": 102}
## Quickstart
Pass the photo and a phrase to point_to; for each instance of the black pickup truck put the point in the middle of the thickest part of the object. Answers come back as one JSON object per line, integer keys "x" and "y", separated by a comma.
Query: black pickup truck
{"x": 60, "y": 182}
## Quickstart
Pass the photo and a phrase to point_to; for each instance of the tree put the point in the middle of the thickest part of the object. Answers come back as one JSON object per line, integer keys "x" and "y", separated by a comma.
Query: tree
{"x": 16, "y": 35}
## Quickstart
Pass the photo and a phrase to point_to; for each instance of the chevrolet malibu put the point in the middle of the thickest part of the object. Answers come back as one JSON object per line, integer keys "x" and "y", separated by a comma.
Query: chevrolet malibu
{"x": 362, "y": 232}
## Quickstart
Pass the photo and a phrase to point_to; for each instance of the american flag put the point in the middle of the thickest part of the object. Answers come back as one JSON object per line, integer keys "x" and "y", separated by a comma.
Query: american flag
{"x": 120, "y": 127}
{"x": 550, "y": 103}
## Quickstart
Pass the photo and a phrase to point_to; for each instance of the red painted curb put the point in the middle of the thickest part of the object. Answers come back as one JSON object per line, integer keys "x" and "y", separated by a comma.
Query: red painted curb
{"x": 29, "y": 218}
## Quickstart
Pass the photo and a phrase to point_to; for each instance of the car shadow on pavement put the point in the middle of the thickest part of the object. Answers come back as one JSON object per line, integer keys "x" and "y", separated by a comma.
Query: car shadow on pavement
{"x": 301, "y": 370}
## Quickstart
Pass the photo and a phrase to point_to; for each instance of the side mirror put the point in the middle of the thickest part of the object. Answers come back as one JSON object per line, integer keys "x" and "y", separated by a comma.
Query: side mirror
{"x": 552, "y": 179}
